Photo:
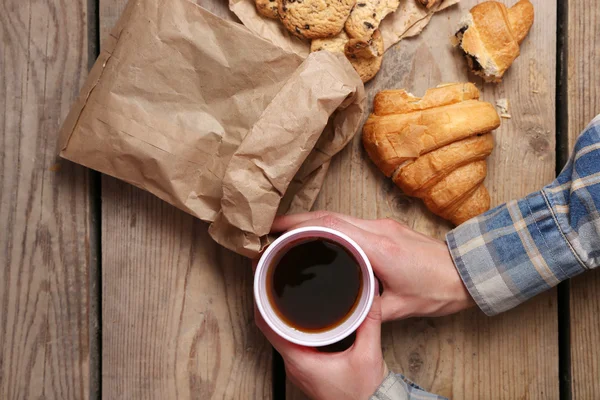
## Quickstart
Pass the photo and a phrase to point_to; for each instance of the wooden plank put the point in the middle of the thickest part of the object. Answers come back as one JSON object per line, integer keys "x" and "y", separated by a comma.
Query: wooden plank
{"x": 177, "y": 308}
{"x": 44, "y": 205}
{"x": 469, "y": 355}
{"x": 583, "y": 88}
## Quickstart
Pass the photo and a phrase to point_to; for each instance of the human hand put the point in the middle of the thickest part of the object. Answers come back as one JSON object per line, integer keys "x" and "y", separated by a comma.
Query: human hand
{"x": 417, "y": 272}
{"x": 353, "y": 374}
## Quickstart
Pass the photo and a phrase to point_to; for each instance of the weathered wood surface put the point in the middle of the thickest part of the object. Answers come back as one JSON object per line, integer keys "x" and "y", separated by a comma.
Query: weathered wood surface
{"x": 468, "y": 356}
{"x": 583, "y": 88}
{"x": 44, "y": 204}
{"x": 177, "y": 308}
{"x": 177, "y": 326}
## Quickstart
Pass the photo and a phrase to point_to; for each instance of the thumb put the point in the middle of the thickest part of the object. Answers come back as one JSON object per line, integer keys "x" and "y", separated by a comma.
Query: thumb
{"x": 368, "y": 334}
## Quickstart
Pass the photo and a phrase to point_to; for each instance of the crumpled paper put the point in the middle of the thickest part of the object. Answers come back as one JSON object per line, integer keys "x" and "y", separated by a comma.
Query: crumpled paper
{"x": 212, "y": 118}
{"x": 409, "y": 20}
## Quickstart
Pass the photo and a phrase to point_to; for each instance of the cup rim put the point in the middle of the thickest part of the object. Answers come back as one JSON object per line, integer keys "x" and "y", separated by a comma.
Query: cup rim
{"x": 324, "y": 338}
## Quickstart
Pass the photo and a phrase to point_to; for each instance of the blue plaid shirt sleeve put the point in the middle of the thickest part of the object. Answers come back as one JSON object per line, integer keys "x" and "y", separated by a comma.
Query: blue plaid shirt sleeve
{"x": 524, "y": 247}
{"x": 398, "y": 387}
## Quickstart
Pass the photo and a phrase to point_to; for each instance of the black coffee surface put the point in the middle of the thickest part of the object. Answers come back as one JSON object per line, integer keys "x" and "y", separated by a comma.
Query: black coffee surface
{"x": 315, "y": 285}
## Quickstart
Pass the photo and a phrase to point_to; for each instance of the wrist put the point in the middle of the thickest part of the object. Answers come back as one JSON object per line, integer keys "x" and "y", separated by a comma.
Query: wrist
{"x": 458, "y": 297}
{"x": 451, "y": 295}
{"x": 462, "y": 299}
{"x": 373, "y": 392}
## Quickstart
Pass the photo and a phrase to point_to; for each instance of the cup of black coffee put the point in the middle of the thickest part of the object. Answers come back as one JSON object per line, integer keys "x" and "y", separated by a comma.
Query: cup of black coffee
{"x": 314, "y": 286}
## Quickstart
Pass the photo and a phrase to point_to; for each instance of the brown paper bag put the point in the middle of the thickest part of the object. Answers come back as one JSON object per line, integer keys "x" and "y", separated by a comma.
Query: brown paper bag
{"x": 212, "y": 118}
{"x": 409, "y": 20}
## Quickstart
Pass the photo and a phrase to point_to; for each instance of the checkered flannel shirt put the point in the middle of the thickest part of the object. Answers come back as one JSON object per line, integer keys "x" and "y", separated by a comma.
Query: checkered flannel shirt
{"x": 398, "y": 387}
{"x": 524, "y": 247}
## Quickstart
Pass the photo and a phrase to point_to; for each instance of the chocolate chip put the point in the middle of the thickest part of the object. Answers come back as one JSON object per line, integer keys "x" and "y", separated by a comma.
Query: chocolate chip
{"x": 298, "y": 31}
{"x": 475, "y": 65}
{"x": 307, "y": 26}
{"x": 374, "y": 15}
{"x": 361, "y": 4}
{"x": 460, "y": 34}
{"x": 369, "y": 25}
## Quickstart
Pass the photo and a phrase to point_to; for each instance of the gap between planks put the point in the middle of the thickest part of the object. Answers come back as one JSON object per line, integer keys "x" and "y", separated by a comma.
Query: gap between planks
{"x": 95, "y": 193}
{"x": 562, "y": 155}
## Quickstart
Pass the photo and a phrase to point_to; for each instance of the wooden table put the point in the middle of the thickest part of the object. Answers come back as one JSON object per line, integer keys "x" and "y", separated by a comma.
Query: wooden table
{"x": 103, "y": 292}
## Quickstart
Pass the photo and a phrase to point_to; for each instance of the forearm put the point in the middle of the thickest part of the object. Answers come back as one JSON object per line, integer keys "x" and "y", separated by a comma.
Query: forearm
{"x": 524, "y": 247}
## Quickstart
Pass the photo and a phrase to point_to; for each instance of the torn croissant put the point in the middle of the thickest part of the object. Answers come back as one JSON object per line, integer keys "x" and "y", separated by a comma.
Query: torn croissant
{"x": 490, "y": 36}
{"x": 435, "y": 147}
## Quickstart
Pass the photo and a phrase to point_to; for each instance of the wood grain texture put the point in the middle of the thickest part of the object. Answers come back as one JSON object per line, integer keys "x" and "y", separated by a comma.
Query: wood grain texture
{"x": 177, "y": 308}
{"x": 467, "y": 356}
{"x": 44, "y": 204}
{"x": 583, "y": 88}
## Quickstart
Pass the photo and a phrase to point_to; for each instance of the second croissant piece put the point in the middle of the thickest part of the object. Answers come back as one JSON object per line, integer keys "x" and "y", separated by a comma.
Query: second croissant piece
{"x": 490, "y": 36}
{"x": 435, "y": 147}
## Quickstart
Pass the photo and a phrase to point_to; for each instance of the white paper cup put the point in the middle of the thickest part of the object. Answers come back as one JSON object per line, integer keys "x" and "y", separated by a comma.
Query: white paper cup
{"x": 336, "y": 333}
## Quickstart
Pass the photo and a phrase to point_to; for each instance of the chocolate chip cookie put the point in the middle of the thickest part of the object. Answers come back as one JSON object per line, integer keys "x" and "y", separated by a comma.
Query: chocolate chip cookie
{"x": 367, "y": 15}
{"x": 366, "y": 58}
{"x": 314, "y": 19}
{"x": 267, "y": 8}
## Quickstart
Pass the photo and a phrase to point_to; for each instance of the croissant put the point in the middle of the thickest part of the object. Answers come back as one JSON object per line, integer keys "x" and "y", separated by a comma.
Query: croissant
{"x": 490, "y": 36}
{"x": 435, "y": 147}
